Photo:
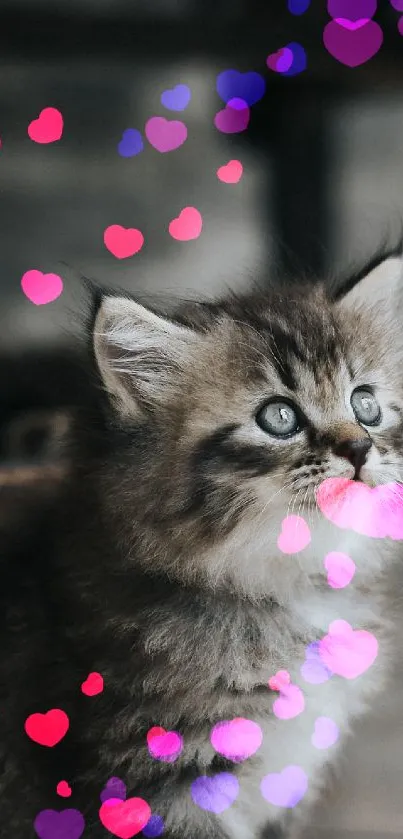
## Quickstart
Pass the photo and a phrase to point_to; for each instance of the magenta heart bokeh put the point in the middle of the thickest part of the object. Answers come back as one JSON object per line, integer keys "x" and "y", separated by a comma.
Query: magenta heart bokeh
{"x": 352, "y": 47}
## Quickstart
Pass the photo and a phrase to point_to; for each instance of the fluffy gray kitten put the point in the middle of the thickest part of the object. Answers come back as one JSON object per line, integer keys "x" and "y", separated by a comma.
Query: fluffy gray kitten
{"x": 161, "y": 569}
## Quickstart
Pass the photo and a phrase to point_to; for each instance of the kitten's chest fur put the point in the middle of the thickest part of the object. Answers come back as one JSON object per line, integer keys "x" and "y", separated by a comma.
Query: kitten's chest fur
{"x": 189, "y": 660}
{"x": 227, "y": 666}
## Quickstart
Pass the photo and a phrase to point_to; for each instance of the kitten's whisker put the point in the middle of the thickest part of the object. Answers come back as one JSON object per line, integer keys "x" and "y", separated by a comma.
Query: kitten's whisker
{"x": 292, "y": 503}
{"x": 301, "y": 505}
{"x": 282, "y": 488}
{"x": 291, "y": 513}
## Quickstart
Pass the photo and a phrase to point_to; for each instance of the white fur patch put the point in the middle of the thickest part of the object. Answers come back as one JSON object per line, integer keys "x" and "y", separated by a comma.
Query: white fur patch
{"x": 137, "y": 350}
{"x": 289, "y": 742}
{"x": 381, "y": 289}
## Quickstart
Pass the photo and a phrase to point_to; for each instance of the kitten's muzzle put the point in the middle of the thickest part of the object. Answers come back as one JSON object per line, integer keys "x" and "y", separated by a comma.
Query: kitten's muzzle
{"x": 355, "y": 451}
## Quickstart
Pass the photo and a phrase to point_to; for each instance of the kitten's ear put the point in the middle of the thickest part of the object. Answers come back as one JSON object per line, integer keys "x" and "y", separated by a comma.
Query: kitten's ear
{"x": 139, "y": 353}
{"x": 380, "y": 288}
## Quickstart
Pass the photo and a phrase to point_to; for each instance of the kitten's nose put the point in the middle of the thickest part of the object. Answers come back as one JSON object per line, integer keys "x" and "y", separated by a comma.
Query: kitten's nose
{"x": 355, "y": 451}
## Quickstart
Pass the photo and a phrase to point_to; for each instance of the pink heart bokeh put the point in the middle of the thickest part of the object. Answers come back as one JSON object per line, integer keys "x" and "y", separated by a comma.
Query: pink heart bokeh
{"x": 164, "y": 134}
{"x": 124, "y": 818}
{"x": 295, "y": 535}
{"x": 47, "y": 128}
{"x": 41, "y": 288}
{"x": 93, "y": 684}
{"x": 123, "y": 241}
{"x": 63, "y": 789}
{"x": 346, "y": 651}
{"x": 340, "y": 569}
{"x": 231, "y": 173}
{"x": 281, "y": 679}
{"x": 290, "y": 703}
{"x": 188, "y": 225}
{"x": 236, "y": 739}
{"x": 164, "y": 745}
{"x": 376, "y": 512}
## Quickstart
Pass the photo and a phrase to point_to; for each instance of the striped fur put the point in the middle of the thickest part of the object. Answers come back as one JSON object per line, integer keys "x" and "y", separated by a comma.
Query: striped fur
{"x": 158, "y": 566}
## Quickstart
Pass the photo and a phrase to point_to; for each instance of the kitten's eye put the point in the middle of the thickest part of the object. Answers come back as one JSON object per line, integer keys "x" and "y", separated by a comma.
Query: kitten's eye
{"x": 365, "y": 407}
{"x": 278, "y": 419}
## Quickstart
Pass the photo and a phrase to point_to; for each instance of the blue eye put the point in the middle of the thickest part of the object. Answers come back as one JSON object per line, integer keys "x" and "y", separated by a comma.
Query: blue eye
{"x": 279, "y": 419}
{"x": 365, "y": 407}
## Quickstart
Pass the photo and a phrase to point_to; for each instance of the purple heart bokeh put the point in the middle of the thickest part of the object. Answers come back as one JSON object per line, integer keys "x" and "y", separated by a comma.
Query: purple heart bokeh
{"x": 314, "y": 671}
{"x": 280, "y": 61}
{"x": 233, "y": 118}
{"x": 66, "y": 824}
{"x": 352, "y": 47}
{"x": 165, "y": 135}
{"x": 326, "y": 733}
{"x": 397, "y": 4}
{"x": 400, "y": 25}
{"x": 286, "y": 788}
{"x": 352, "y": 9}
{"x": 114, "y": 788}
{"x": 288, "y": 60}
{"x": 247, "y": 86}
{"x": 215, "y": 794}
{"x": 176, "y": 99}
{"x": 298, "y": 7}
{"x": 154, "y": 827}
{"x": 299, "y": 62}
{"x": 131, "y": 143}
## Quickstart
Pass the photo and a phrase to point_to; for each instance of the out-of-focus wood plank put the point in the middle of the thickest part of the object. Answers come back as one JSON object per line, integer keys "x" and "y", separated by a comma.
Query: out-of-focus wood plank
{"x": 23, "y": 490}
{"x": 27, "y": 476}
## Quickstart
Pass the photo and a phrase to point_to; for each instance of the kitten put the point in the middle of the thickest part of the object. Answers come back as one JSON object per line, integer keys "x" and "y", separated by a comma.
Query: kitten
{"x": 157, "y": 564}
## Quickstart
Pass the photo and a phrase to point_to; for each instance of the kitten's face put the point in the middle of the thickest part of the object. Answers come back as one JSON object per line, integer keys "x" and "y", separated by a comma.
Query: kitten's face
{"x": 248, "y": 414}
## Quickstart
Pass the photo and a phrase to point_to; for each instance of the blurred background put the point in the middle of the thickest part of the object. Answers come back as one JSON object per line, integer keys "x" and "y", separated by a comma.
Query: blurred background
{"x": 322, "y": 186}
